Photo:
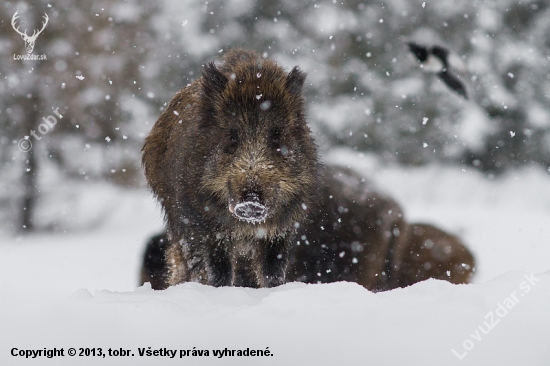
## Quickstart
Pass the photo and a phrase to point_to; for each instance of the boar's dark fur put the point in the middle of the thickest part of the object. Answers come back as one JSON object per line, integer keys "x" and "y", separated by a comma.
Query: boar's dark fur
{"x": 351, "y": 237}
{"x": 432, "y": 253}
{"x": 360, "y": 235}
{"x": 234, "y": 166}
{"x": 154, "y": 269}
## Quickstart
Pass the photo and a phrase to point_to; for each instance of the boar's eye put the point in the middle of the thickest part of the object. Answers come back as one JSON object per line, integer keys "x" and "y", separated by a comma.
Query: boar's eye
{"x": 232, "y": 141}
{"x": 275, "y": 137}
{"x": 233, "y": 137}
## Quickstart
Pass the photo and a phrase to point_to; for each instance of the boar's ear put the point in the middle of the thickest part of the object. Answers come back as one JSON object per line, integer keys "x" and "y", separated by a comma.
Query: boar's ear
{"x": 213, "y": 81}
{"x": 295, "y": 81}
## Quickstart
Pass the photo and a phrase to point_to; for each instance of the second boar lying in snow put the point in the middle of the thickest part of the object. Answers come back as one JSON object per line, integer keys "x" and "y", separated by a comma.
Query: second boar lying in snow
{"x": 360, "y": 235}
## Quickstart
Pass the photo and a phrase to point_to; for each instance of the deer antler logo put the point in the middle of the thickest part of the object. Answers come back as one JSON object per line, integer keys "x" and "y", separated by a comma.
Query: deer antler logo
{"x": 29, "y": 40}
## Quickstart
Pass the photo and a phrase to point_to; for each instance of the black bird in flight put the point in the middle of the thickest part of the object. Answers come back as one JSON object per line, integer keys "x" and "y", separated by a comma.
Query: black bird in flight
{"x": 440, "y": 61}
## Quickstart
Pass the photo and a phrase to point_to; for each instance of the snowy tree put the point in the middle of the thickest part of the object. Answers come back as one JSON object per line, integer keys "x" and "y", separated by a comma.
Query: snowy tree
{"x": 93, "y": 77}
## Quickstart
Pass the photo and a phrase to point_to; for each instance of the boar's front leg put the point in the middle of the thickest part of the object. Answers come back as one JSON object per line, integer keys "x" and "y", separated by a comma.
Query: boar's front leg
{"x": 244, "y": 273}
{"x": 274, "y": 261}
{"x": 219, "y": 266}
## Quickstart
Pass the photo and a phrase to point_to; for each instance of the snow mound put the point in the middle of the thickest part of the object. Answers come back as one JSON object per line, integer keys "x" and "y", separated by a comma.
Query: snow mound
{"x": 430, "y": 323}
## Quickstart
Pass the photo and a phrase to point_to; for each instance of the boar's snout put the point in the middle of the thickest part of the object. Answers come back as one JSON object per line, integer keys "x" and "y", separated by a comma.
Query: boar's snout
{"x": 250, "y": 209}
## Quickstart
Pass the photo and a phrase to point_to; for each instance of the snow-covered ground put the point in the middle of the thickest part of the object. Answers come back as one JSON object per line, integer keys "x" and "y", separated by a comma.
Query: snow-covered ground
{"x": 78, "y": 289}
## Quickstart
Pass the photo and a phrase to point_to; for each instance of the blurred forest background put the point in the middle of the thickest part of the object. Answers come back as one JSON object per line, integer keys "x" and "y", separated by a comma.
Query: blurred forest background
{"x": 113, "y": 65}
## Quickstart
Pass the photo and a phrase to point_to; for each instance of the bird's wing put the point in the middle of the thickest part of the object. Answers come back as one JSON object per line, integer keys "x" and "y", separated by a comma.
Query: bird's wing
{"x": 454, "y": 83}
{"x": 420, "y": 52}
